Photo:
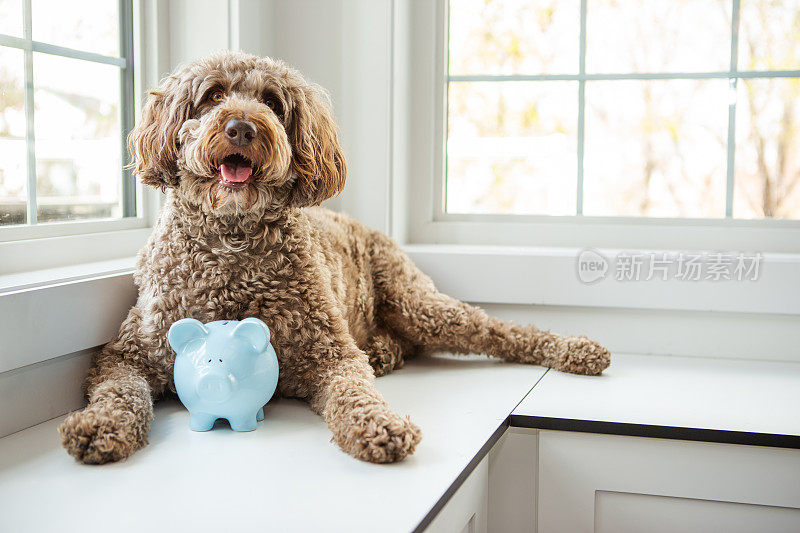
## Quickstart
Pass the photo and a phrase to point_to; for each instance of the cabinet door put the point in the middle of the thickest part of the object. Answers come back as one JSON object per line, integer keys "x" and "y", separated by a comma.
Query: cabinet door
{"x": 512, "y": 482}
{"x": 601, "y": 483}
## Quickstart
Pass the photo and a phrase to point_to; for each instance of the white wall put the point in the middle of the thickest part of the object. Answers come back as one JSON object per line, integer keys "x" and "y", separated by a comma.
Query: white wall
{"x": 196, "y": 27}
{"x": 345, "y": 46}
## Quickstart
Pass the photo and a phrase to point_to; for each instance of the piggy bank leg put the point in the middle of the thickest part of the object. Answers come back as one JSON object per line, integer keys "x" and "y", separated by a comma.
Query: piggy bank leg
{"x": 260, "y": 415}
{"x": 243, "y": 422}
{"x": 201, "y": 421}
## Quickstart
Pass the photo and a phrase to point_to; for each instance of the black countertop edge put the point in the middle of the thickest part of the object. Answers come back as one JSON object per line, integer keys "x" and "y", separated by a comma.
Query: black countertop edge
{"x": 774, "y": 440}
{"x": 462, "y": 477}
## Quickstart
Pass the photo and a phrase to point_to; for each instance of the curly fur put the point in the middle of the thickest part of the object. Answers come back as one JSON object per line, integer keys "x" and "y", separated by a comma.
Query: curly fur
{"x": 342, "y": 301}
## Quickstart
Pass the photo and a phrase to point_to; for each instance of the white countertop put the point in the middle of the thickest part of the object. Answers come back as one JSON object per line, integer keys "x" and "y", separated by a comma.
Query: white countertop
{"x": 288, "y": 476}
{"x": 285, "y": 476}
{"x": 716, "y": 397}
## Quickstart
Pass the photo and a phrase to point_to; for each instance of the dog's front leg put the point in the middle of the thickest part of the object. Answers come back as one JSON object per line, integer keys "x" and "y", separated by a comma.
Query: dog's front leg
{"x": 116, "y": 421}
{"x": 362, "y": 423}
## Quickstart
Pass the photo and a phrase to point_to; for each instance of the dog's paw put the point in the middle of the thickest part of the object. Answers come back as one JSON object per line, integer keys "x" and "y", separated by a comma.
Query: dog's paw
{"x": 99, "y": 434}
{"x": 375, "y": 434}
{"x": 583, "y": 356}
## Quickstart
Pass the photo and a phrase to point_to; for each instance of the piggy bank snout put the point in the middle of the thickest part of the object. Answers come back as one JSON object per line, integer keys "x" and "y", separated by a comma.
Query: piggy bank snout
{"x": 214, "y": 387}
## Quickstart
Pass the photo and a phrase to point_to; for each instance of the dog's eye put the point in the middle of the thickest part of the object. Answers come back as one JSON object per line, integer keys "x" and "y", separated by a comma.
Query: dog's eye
{"x": 272, "y": 102}
{"x": 217, "y": 96}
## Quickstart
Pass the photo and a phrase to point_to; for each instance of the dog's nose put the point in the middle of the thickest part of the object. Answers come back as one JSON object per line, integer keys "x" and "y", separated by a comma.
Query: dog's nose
{"x": 240, "y": 132}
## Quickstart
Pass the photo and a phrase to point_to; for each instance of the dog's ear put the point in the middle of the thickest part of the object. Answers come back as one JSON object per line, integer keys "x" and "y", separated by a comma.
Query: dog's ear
{"x": 153, "y": 143}
{"x": 317, "y": 158}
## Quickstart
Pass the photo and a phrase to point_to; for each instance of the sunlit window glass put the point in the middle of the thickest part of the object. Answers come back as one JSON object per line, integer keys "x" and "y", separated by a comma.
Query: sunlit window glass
{"x": 679, "y": 109}
{"x": 64, "y": 68}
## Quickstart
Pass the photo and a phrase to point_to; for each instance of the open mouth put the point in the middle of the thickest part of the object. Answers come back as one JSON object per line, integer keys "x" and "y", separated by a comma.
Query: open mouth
{"x": 235, "y": 171}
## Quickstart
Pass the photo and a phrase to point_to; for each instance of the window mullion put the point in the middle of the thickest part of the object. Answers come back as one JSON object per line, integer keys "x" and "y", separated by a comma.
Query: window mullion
{"x": 734, "y": 67}
{"x": 581, "y": 109}
{"x": 128, "y": 186}
{"x": 30, "y": 141}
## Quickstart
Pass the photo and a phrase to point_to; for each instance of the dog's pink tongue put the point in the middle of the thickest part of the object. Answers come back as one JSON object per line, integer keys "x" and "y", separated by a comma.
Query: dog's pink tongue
{"x": 235, "y": 173}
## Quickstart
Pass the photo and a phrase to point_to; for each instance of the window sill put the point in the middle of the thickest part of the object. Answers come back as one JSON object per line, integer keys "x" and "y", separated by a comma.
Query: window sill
{"x": 47, "y": 253}
{"x": 549, "y": 276}
{"x": 52, "y": 312}
{"x": 56, "y": 276}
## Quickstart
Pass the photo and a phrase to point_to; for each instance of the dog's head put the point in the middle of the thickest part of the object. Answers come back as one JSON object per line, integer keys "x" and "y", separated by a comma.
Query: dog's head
{"x": 236, "y": 133}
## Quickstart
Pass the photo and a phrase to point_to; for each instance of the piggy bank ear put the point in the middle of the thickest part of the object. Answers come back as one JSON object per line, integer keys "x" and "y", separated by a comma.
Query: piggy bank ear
{"x": 185, "y": 331}
{"x": 254, "y": 332}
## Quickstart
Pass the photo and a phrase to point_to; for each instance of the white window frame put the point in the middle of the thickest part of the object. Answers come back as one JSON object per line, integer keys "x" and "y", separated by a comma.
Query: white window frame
{"x": 429, "y": 223}
{"x": 124, "y": 62}
{"x": 26, "y": 247}
{"x": 532, "y": 260}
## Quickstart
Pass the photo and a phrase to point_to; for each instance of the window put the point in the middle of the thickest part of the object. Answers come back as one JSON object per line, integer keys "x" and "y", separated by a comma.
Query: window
{"x": 688, "y": 109}
{"x": 66, "y": 105}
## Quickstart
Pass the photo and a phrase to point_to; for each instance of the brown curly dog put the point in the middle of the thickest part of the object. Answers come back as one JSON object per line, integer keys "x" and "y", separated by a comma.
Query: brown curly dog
{"x": 244, "y": 146}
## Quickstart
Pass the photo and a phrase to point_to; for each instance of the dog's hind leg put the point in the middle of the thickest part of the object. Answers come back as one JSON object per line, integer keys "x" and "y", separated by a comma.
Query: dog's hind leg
{"x": 410, "y": 306}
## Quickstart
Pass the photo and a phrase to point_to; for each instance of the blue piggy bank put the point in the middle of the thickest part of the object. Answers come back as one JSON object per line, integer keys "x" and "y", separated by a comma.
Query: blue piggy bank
{"x": 224, "y": 369}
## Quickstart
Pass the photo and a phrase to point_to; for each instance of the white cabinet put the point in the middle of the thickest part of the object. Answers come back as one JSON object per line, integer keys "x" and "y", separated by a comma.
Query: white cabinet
{"x": 557, "y": 481}
{"x": 513, "y": 462}
{"x": 466, "y": 511}
{"x": 499, "y": 495}
{"x": 604, "y": 483}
